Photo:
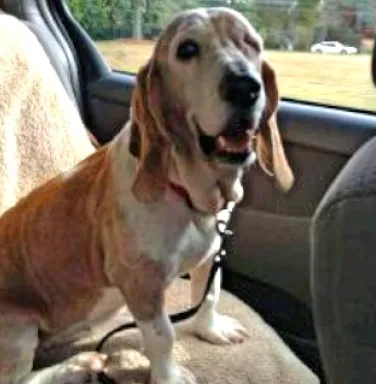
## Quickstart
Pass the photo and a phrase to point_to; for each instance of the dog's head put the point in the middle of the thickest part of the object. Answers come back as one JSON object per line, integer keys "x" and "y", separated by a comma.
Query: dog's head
{"x": 204, "y": 104}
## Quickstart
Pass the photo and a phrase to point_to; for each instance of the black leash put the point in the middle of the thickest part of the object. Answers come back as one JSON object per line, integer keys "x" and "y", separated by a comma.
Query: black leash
{"x": 225, "y": 234}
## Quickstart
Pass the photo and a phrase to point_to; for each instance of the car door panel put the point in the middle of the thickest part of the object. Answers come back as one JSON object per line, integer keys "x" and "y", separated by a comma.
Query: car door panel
{"x": 272, "y": 229}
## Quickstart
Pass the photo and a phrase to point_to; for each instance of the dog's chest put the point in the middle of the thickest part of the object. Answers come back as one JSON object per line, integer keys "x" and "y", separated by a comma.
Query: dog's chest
{"x": 170, "y": 233}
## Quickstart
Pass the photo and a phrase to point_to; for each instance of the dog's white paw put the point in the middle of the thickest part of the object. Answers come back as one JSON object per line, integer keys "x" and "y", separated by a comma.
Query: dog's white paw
{"x": 177, "y": 375}
{"x": 80, "y": 369}
{"x": 219, "y": 329}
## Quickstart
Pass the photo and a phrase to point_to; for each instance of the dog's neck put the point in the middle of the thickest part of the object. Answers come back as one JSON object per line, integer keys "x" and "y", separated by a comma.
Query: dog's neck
{"x": 210, "y": 184}
{"x": 135, "y": 150}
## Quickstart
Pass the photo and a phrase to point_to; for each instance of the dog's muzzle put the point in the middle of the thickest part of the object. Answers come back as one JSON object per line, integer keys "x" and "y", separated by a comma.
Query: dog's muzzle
{"x": 233, "y": 145}
{"x": 241, "y": 89}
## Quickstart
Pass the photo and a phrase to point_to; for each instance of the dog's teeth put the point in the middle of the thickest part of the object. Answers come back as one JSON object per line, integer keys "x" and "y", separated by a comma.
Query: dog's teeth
{"x": 222, "y": 143}
{"x": 234, "y": 150}
{"x": 226, "y": 145}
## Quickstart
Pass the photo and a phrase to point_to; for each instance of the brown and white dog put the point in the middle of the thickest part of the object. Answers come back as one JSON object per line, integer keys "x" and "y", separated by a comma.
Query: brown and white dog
{"x": 142, "y": 210}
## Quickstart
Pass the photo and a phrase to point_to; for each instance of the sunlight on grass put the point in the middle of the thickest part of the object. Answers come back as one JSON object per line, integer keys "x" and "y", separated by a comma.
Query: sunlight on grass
{"x": 329, "y": 79}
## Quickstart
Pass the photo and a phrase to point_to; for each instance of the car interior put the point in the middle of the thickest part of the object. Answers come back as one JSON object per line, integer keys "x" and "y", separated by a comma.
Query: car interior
{"x": 303, "y": 260}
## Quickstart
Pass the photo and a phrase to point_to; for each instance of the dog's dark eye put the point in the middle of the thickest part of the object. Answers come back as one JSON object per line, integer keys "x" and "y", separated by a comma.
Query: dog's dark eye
{"x": 252, "y": 43}
{"x": 187, "y": 50}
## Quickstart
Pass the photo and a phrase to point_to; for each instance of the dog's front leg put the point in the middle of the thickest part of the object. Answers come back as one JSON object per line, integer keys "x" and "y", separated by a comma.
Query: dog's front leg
{"x": 208, "y": 324}
{"x": 144, "y": 293}
{"x": 158, "y": 335}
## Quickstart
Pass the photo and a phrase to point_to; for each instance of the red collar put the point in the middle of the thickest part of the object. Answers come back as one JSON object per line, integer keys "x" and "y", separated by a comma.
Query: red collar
{"x": 182, "y": 192}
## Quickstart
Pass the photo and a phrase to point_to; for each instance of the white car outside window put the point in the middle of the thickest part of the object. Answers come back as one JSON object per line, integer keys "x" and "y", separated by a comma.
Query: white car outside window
{"x": 333, "y": 47}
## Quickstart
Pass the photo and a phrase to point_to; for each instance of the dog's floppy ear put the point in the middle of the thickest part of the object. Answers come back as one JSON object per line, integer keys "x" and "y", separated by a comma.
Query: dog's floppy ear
{"x": 269, "y": 148}
{"x": 153, "y": 167}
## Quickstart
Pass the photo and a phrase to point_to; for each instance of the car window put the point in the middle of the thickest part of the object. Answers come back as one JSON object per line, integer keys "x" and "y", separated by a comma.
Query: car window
{"x": 296, "y": 34}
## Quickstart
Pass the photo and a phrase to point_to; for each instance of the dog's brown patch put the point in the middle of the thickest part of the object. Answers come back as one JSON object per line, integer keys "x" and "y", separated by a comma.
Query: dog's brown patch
{"x": 51, "y": 259}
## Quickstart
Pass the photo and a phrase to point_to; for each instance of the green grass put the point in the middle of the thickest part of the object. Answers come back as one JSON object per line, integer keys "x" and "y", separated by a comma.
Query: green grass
{"x": 337, "y": 80}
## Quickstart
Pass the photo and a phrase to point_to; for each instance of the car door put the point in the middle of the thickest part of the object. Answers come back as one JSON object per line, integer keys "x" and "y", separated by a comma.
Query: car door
{"x": 328, "y": 47}
{"x": 326, "y": 113}
{"x": 332, "y": 48}
{"x": 335, "y": 48}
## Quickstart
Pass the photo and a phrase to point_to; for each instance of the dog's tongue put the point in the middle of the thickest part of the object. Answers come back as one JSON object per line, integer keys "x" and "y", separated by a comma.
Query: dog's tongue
{"x": 238, "y": 143}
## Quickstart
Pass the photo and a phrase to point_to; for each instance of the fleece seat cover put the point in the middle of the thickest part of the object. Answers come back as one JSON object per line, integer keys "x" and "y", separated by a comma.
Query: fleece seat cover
{"x": 262, "y": 359}
{"x": 41, "y": 134}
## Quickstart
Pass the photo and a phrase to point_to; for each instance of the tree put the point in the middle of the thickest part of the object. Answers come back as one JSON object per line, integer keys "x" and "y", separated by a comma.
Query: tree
{"x": 287, "y": 24}
{"x": 137, "y": 15}
{"x": 282, "y": 23}
{"x": 160, "y": 12}
{"x": 306, "y": 20}
{"x": 100, "y": 18}
{"x": 89, "y": 13}
{"x": 273, "y": 21}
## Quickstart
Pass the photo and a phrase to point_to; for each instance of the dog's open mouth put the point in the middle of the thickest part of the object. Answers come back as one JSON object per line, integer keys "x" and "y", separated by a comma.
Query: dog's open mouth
{"x": 233, "y": 145}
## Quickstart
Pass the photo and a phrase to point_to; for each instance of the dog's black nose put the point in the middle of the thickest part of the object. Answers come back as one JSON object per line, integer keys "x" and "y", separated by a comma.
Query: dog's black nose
{"x": 240, "y": 89}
